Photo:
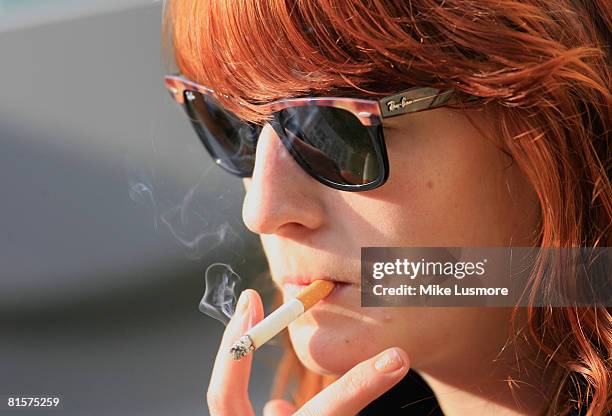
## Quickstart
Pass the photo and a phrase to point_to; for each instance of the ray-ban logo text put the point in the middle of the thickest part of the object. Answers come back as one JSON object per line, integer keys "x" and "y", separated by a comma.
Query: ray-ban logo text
{"x": 397, "y": 105}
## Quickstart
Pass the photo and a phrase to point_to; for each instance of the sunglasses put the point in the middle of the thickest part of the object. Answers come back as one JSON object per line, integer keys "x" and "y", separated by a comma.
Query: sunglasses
{"x": 337, "y": 141}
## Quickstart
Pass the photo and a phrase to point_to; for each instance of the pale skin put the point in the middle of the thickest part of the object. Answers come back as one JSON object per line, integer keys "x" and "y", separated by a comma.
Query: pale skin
{"x": 448, "y": 186}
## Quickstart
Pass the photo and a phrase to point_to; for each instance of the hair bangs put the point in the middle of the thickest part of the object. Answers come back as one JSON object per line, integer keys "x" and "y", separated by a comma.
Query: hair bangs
{"x": 256, "y": 51}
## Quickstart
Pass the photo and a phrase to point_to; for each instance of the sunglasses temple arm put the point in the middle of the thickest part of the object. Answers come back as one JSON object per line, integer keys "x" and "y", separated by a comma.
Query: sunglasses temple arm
{"x": 413, "y": 100}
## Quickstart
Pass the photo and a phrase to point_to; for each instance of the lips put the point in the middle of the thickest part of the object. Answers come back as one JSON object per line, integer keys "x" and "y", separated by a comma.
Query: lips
{"x": 306, "y": 280}
{"x": 295, "y": 284}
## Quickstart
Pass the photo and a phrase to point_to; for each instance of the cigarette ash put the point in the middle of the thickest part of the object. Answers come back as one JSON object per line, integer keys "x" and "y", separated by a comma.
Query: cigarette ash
{"x": 242, "y": 347}
{"x": 219, "y": 300}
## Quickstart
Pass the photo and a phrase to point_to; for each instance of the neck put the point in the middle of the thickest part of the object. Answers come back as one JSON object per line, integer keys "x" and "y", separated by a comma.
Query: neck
{"x": 510, "y": 382}
{"x": 498, "y": 397}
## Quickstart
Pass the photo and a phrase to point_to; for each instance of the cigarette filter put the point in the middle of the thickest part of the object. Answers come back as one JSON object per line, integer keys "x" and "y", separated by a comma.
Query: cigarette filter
{"x": 281, "y": 318}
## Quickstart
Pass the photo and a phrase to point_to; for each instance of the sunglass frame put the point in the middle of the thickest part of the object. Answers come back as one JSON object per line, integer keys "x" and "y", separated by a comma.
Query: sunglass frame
{"x": 369, "y": 112}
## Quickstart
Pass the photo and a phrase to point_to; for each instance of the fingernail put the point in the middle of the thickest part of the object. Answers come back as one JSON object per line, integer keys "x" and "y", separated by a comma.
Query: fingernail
{"x": 389, "y": 361}
{"x": 243, "y": 302}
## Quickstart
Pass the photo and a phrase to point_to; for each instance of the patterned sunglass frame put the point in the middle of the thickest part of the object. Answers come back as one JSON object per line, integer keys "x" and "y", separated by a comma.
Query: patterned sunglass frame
{"x": 368, "y": 112}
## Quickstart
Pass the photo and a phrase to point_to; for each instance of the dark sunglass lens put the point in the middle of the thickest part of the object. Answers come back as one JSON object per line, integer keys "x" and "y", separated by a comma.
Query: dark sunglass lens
{"x": 230, "y": 141}
{"x": 331, "y": 143}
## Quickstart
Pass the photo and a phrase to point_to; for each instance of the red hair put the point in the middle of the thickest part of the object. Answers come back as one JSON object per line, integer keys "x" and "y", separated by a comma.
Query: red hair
{"x": 543, "y": 66}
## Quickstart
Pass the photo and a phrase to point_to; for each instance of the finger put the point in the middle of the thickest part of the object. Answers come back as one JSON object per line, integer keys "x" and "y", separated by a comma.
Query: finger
{"x": 228, "y": 389}
{"x": 279, "y": 408}
{"x": 359, "y": 386}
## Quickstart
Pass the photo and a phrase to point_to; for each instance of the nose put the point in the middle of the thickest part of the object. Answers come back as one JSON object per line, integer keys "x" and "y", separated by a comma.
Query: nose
{"x": 281, "y": 198}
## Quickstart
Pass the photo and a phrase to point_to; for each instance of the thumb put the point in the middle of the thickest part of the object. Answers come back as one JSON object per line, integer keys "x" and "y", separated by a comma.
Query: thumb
{"x": 359, "y": 386}
{"x": 279, "y": 408}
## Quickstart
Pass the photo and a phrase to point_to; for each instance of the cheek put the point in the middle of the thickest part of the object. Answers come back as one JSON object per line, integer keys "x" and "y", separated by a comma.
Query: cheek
{"x": 434, "y": 338}
{"x": 332, "y": 343}
{"x": 334, "y": 338}
{"x": 449, "y": 186}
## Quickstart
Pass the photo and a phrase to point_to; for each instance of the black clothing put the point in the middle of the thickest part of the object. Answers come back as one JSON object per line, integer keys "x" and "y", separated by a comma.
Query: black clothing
{"x": 411, "y": 396}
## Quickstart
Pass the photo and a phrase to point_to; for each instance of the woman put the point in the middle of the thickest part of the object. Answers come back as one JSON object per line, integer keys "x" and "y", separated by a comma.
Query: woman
{"x": 516, "y": 155}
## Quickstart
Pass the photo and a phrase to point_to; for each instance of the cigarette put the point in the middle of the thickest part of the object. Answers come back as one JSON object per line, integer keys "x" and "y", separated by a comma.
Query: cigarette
{"x": 280, "y": 318}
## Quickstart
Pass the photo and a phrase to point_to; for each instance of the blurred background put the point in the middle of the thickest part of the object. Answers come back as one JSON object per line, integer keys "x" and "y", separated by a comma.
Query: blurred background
{"x": 111, "y": 211}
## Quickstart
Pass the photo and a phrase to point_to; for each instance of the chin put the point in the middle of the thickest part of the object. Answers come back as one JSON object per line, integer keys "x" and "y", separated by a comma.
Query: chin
{"x": 329, "y": 348}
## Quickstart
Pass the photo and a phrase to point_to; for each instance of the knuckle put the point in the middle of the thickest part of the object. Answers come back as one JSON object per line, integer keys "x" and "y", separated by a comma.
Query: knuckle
{"x": 355, "y": 384}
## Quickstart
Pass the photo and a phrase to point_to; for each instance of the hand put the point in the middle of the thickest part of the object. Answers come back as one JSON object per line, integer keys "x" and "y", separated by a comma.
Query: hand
{"x": 228, "y": 390}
